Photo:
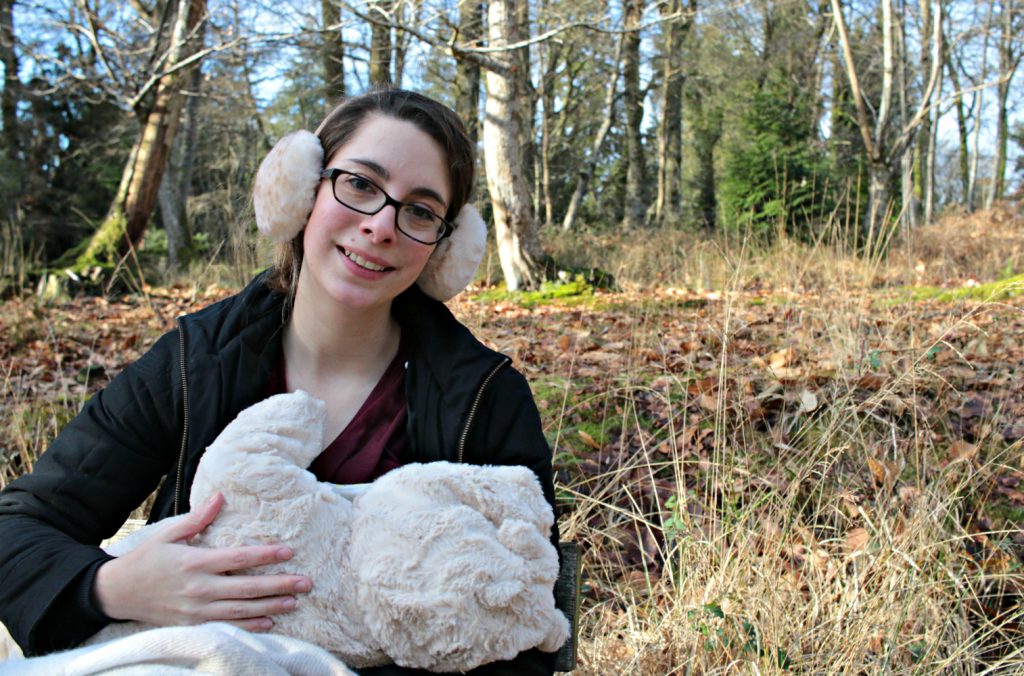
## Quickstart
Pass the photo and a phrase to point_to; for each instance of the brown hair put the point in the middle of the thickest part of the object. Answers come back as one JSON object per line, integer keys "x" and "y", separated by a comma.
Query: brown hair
{"x": 431, "y": 117}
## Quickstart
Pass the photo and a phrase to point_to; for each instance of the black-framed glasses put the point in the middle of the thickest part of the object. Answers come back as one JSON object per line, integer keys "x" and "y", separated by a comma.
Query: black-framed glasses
{"x": 362, "y": 195}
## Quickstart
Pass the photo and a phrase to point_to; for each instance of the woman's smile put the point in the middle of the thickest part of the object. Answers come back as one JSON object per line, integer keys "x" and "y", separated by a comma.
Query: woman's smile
{"x": 364, "y": 261}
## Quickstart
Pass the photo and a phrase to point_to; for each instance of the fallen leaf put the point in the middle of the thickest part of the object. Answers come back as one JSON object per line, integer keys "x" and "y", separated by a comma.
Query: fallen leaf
{"x": 589, "y": 440}
{"x": 961, "y": 450}
{"x": 856, "y": 540}
{"x": 808, "y": 401}
{"x": 782, "y": 358}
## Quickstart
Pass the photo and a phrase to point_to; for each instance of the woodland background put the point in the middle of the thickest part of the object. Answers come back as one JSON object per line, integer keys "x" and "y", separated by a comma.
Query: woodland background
{"x": 762, "y": 263}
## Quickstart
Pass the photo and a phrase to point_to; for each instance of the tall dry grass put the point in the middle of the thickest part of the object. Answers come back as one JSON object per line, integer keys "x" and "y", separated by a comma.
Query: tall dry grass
{"x": 838, "y": 542}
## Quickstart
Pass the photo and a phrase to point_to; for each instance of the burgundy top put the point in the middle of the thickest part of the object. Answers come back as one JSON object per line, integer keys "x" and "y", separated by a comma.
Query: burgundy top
{"x": 374, "y": 441}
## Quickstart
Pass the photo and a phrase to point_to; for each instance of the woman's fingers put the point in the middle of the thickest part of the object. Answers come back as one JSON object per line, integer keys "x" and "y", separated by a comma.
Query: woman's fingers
{"x": 194, "y": 522}
{"x": 235, "y": 610}
{"x": 229, "y": 559}
{"x": 261, "y": 586}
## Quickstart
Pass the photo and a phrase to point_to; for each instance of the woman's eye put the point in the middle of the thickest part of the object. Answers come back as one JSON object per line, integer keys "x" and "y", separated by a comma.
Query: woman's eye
{"x": 420, "y": 213}
{"x": 360, "y": 184}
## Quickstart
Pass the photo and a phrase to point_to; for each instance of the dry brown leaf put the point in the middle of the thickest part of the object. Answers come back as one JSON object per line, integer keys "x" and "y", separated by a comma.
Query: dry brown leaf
{"x": 808, "y": 401}
{"x": 782, "y": 358}
{"x": 961, "y": 450}
{"x": 589, "y": 440}
{"x": 856, "y": 540}
{"x": 884, "y": 472}
{"x": 563, "y": 343}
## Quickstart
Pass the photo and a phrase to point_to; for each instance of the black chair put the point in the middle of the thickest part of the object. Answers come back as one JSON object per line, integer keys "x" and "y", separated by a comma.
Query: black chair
{"x": 567, "y": 599}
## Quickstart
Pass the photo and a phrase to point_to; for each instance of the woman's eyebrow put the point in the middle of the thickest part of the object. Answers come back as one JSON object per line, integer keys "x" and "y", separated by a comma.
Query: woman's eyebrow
{"x": 386, "y": 175}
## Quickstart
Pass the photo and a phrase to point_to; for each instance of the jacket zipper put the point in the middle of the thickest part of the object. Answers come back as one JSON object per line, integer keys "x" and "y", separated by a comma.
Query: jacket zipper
{"x": 476, "y": 403}
{"x": 180, "y": 480}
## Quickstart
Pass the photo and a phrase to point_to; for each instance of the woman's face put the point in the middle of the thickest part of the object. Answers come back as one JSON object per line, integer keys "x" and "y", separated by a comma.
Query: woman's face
{"x": 364, "y": 261}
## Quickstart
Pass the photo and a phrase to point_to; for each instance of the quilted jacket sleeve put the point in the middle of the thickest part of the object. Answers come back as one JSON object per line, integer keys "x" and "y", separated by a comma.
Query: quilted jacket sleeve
{"x": 101, "y": 466}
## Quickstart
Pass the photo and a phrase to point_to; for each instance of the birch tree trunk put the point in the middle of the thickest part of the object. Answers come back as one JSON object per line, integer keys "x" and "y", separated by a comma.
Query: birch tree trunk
{"x": 522, "y": 258}
{"x": 635, "y": 206}
{"x": 133, "y": 206}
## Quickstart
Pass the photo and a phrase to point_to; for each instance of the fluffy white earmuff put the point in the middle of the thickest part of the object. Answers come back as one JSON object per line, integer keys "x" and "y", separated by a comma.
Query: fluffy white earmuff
{"x": 285, "y": 189}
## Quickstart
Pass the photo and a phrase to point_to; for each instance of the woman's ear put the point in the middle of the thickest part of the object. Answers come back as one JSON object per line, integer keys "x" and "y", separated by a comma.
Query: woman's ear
{"x": 285, "y": 187}
{"x": 453, "y": 264}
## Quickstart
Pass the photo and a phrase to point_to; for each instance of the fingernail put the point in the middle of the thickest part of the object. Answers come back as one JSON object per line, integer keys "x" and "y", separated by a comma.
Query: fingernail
{"x": 288, "y": 603}
{"x": 284, "y": 553}
{"x": 266, "y": 624}
{"x": 303, "y": 586}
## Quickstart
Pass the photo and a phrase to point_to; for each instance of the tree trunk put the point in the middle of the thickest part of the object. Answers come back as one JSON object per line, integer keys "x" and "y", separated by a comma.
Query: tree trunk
{"x": 467, "y": 71}
{"x": 963, "y": 134}
{"x": 332, "y": 54}
{"x": 177, "y": 183}
{"x": 635, "y": 206}
{"x": 583, "y": 180}
{"x": 522, "y": 258}
{"x": 879, "y": 178}
{"x": 380, "y": 43}
{"x": 13, "y": 180}
{"x": 12, "y": 85}
{"x": 670, "y": 149}
{"x": 1008, "y": 62}
{"x": 978, "y": 106}
{"x": 131, "y": 210}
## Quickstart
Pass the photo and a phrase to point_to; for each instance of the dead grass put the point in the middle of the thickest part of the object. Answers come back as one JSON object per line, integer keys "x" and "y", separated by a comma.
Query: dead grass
{"x": 785, "y": 496}
{"x": 846, "y": 541}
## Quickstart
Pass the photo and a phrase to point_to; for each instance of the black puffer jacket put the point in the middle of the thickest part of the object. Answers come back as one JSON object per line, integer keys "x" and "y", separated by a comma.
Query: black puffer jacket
{"x": 154, "y": 420}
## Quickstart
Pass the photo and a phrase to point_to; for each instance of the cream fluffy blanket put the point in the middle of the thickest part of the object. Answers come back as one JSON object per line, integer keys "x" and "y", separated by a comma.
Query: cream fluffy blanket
{"x": 437, "y": 566}
{"x": 214, "y": 648}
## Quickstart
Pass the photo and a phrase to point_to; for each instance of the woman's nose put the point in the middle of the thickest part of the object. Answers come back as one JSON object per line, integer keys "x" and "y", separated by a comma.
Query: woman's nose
{"x": 380, "y": 227}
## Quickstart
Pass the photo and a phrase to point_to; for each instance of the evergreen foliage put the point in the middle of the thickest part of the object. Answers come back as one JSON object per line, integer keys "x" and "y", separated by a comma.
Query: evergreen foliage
{"x": 775, "y": 175}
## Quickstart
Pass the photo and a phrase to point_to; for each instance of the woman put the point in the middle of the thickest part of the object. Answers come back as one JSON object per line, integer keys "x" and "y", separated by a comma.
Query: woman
{"x": 341, "y": 316}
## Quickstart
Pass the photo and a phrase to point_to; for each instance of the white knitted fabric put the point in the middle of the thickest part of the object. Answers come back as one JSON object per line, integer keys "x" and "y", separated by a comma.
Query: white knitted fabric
{"x": 214, "y": 648}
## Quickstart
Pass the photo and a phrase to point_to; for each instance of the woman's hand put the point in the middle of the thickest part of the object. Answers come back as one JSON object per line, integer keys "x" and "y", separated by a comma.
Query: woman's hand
{"x": 165, "y": 581}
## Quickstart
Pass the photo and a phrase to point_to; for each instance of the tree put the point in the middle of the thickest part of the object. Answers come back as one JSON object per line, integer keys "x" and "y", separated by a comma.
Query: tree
{"x": 670, "y": 133}
{"x": 333, "y": 53}
{"x": 884, "y": 148}
{"x": 467, "y": 70}
{"x": 523, "y": 261}
{"x": 136, "y": 198}
{"x": 1010, "y": 53}
{"x": 380, "y": 41}
{"x": 636, "y": 205}
{"x": 10, "y": 186}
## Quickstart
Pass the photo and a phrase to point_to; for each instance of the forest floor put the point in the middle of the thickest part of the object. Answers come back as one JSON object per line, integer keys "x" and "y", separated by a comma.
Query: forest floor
{"x": 773, "y": 474}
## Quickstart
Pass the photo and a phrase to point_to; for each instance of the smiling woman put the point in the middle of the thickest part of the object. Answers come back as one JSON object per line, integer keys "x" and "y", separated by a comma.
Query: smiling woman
{"x": 373, "y": 234}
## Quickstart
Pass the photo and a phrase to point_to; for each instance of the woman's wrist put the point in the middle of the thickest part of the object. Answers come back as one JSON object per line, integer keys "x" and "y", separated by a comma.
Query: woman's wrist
{"x": 105, "y": 590}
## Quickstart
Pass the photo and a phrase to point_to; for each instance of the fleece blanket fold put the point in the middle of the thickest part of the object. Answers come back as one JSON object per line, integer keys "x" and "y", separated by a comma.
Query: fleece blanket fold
{"x": 214, "y": 648}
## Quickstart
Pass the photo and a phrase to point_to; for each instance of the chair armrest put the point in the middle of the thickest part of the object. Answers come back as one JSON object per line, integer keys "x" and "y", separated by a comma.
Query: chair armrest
{"x": 567, "y": 599}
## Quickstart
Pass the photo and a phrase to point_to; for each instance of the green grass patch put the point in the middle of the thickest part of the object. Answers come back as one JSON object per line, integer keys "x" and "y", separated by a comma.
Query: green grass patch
{"x": 1002, "y": 289}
